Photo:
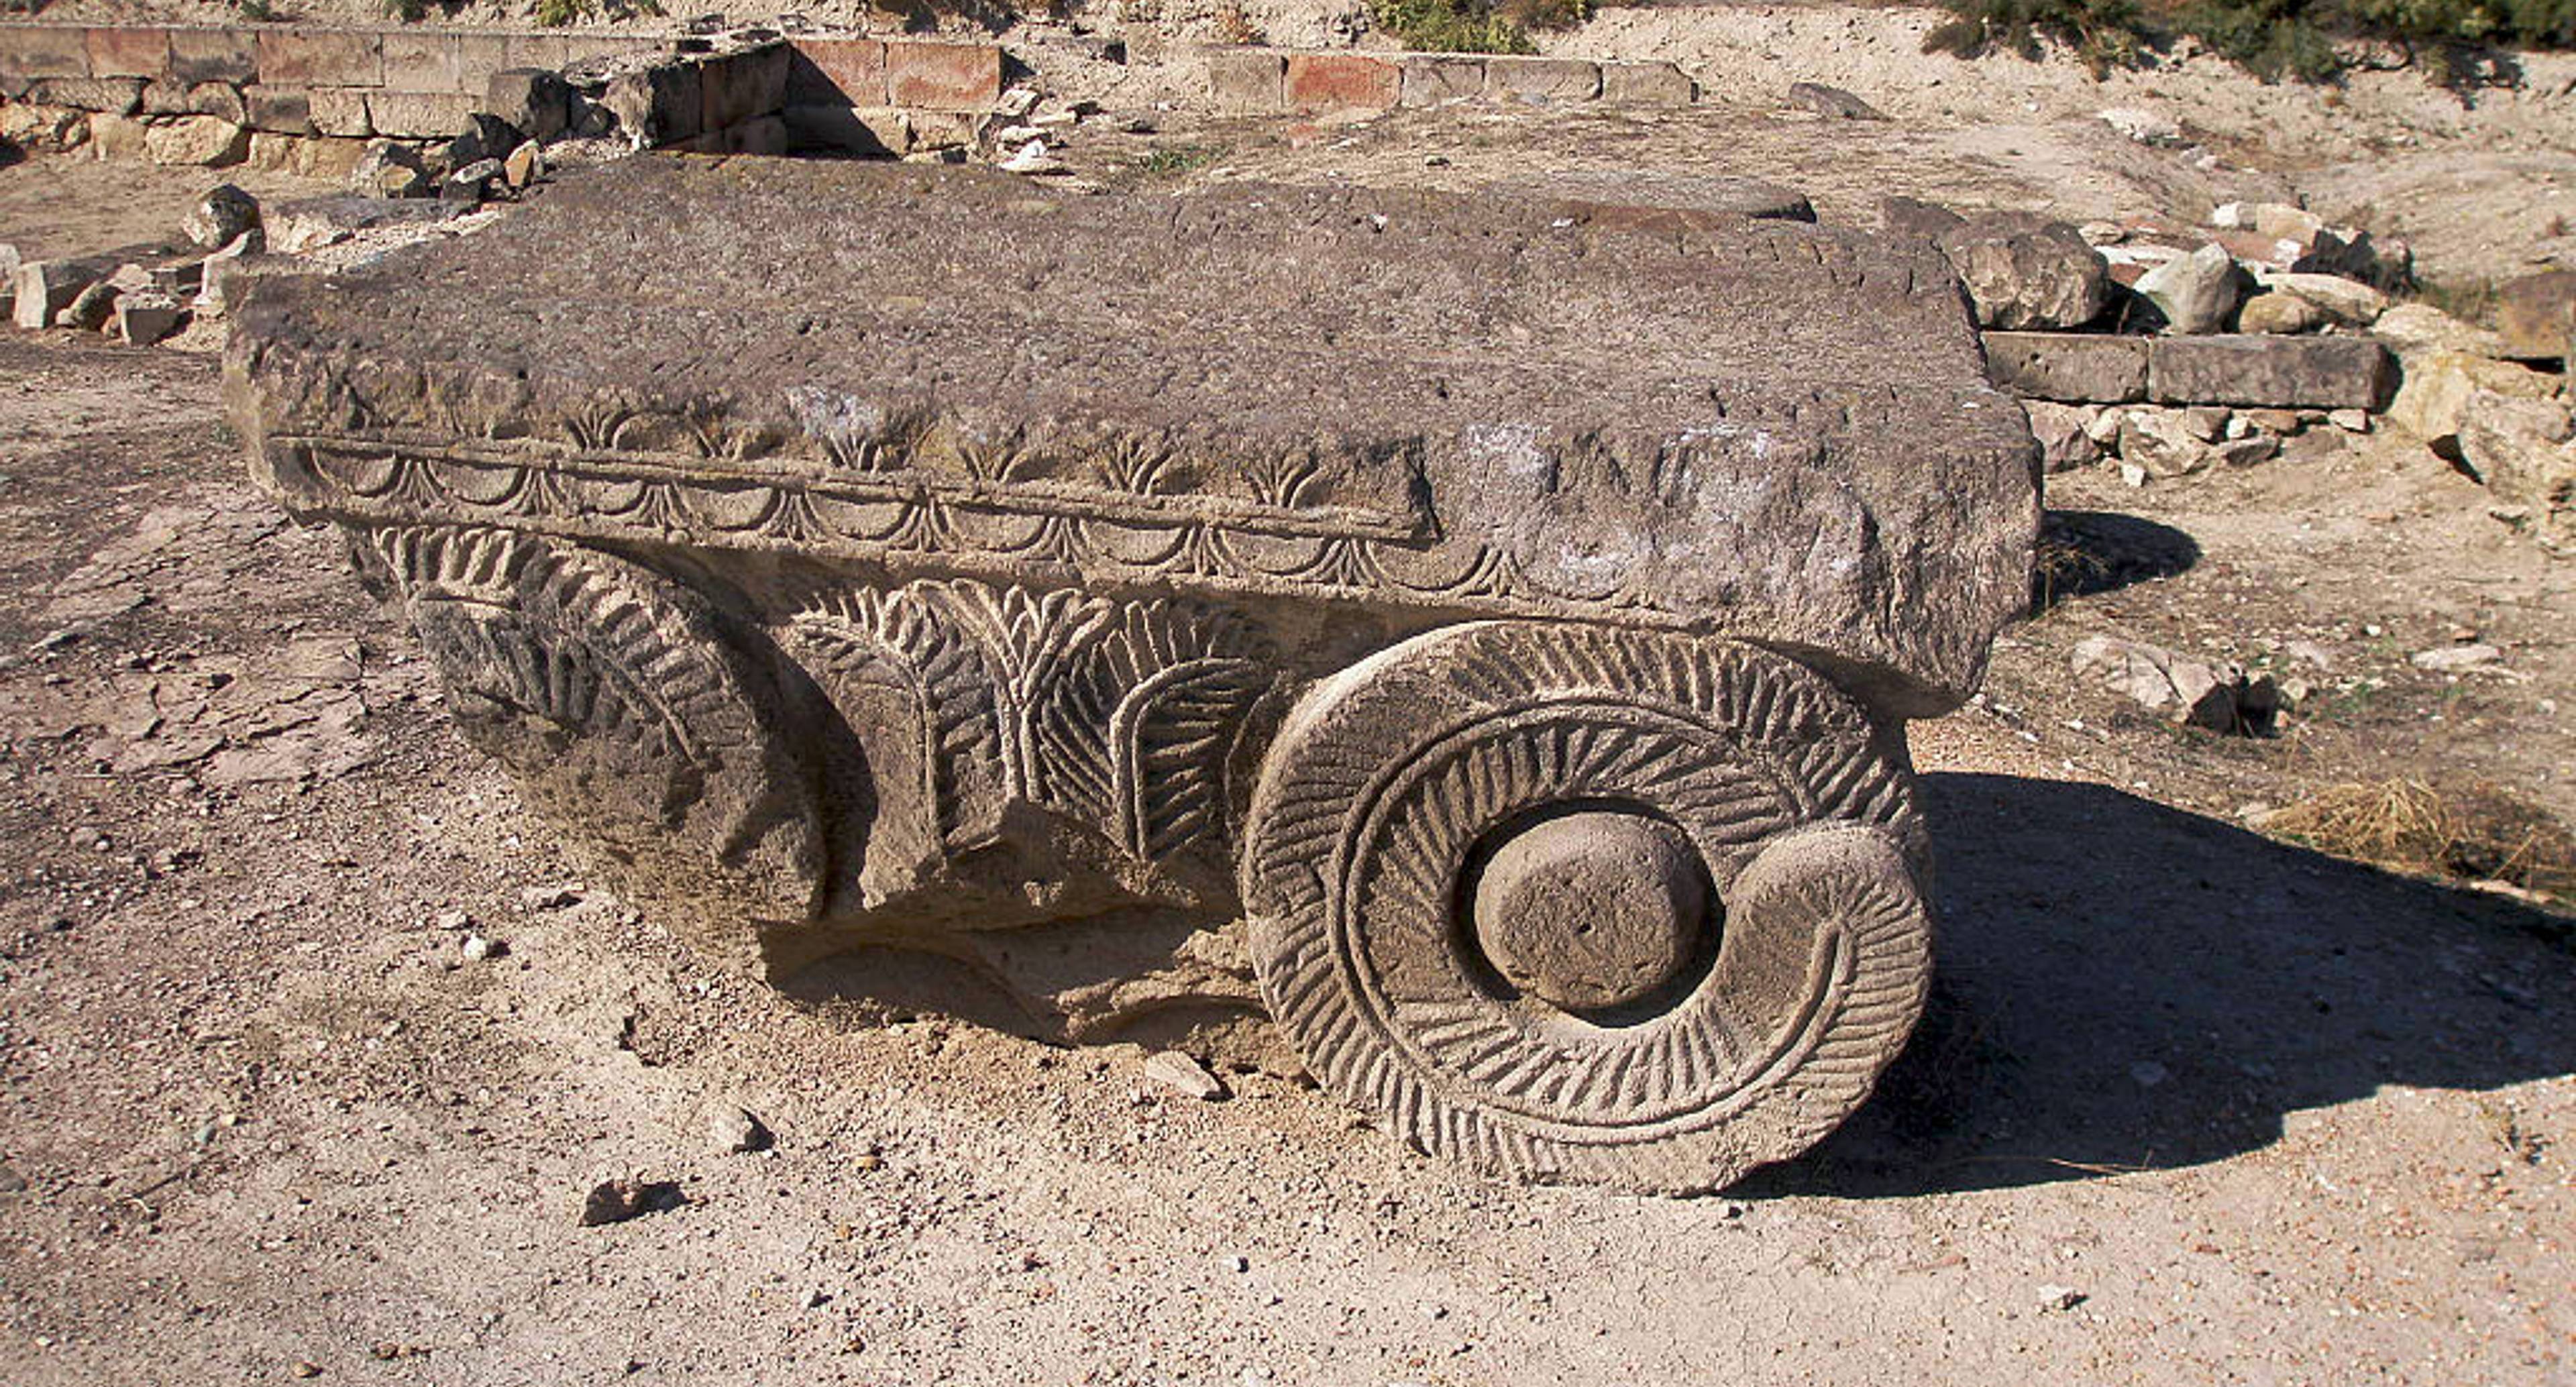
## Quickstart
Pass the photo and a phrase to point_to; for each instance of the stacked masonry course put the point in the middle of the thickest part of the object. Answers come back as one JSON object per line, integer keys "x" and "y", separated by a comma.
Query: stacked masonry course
{"x": 426, "y": 83}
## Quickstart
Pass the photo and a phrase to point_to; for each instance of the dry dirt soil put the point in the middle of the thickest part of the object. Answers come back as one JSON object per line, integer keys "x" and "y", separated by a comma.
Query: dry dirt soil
{"x": 2191, "y": 1104}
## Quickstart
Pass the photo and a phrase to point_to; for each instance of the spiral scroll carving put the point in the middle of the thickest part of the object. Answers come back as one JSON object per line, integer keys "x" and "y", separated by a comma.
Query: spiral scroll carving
{"x": 1391, "y": 784}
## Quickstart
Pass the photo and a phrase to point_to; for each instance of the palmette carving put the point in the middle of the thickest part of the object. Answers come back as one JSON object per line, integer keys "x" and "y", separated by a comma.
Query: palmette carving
{"x": 972, "y": 699}
{"x": 1393, "y": 783}
{"x": 623, "y": 705}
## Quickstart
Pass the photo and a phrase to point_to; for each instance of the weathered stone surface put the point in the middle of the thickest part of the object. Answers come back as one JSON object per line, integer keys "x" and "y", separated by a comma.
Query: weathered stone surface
{"x": 747, "y": 85}
{"x": 45, "y": 288}
{"x": 2275, "y": 372}
{"x": 2196, "y": 292}
{"x": 222, "y": 215}
{"x": 880, "y": 616}
{"x": 2216, "y": 695}
{"x": 137, "y": 51}
{"x": 2440, "y": 388}
{"x": 421, "y": 115}
{"x": 213, "y": 55}
{"x": 943, "y": 76}
{"x": 2280, "y": 313}
{"x": 205, "y": 141}
{"x": 145, "y": 316}
{"x": 836, "y": 72}
{"x": 2346, "y": 301}
{"x": 2414, "y": 328}
{"x": 2025, "y": 272}
{"x": 1323, "y": 83}
{"x": 47, "y": 128}
{"x": 320, "y": 58}
{"x": 1597, "y": 191}
{"x": 2535, "y": 313}
{"x": 1542, "y": 81}
{"x": 2080, "y": 367}
{"x": 302, "y": 225}
{"x": 44, "y": 51}
{"x": 386, "y": 169}
{"x": 116, "y": 137}
{"x": 1247, "y": 81}
{"x": 1647, "y": 84}
{"x": 1907, "y": 216}
{"x": 1431, "y": 78}
{"x": 1832, "y": 103}
{"x": 115, "y": 96}
{"x": 532, "y": 100}
{"x": 282, "y": 110}
{"x": 2065, "y": 441}
{"x": 339, "y": 111}
{"x": 658, "y": 105}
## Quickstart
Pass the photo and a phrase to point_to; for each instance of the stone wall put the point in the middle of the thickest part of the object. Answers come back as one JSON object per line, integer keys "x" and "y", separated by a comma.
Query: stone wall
{"x": 410, "y": 83}
{"x": 1272, "y": 81}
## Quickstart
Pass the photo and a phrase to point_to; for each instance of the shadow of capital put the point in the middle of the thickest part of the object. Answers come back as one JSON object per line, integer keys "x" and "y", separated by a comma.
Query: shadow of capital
{"x": 2121, "y": 985}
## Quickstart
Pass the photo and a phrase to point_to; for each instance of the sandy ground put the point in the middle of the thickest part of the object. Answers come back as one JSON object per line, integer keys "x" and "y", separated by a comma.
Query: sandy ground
{"x": 2262, "y": 1115}
{"x": 2190, "y": 1105}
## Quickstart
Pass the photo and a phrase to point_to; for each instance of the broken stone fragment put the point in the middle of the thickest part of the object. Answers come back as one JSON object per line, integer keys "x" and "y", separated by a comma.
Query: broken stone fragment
{"x": 1184, "y": 1075}
{"x": 2216, "y": 695}
{"x": 525, "y": 165}
{"x": 387, "y": 169}
{"x": 535, "y": 101}
{"x": 2534, "y": 315}
{"x": 2276, "y": 312}
{"x": 623, "y": 1198}
{"x": 205, "y": 141}
{"x": 2442, "y": 387}
{"x": 472, "y": 183}
{"x": 222, "y": 216}
{"x": 145, "y": 316}
{"x": 1833, "y": 103}
{"x": 2194, "y": 293}
{"x": 2064, "y": 442}
{"x": 2411, "y": 329}
{"x": 2025, "y": 272}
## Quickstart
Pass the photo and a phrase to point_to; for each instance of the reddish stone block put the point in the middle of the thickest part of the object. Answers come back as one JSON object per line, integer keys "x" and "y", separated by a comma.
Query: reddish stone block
{"x": 1341, "y": 82}
{"x": 128, "y": 52}
{"x": 213, "y": 55}
{"x": 31, "y": 51}
{"x": 837, "y": 72}
{"x": 423, "y": 63}
{"x": 943, "y": 76}
{"x": 320, "y": 58}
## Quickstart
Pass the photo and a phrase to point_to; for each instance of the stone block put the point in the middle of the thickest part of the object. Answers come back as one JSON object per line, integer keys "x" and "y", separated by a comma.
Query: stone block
{"x": 478, "y": 56}
{"x": 116, "y": 96}
{"x": 128, "y": 52}
{"x": 2441, "y": 388}
{"x": 116, "y": 137}
{"x": 200, "y": 141}
{"x": 658, "y": 105}
{"x": 146, "y": 316}
{"x": 838, "y": 71}
{"x": 422, "y": 61}
{"x": 214, "y": 55}
{"x": 534, "y": 100}
{"x": 941, "y": 130}
{"x": 548, "y": 51}
{"x": 165, "y": 98}
{"x": 1257, "y": 697}
{"x": 2535, "y": 313}
{"x": 2272, "y": 372}
{"x": 46, "y": 288}
{"x": 285, "y": 110}
{"x": 1430, "y": 79}
{"x": 2026, "y": 272}
{"x": 419, "y": 115}
{"x": 2075, "y": 367}
{"x": 340, "y": 111}
{"x": 1542, "y": 81}
{"x": 743, "y": 86}
{"x": 1647, "y": 84}
{"x": 943, "y": 76}
{"x": 1321, "y": 83}
{"x": 1247, "y": 81}
{"x": 831, "y": 126}
{"x": 320, "y": 58}
{"x": 31, "y": 51}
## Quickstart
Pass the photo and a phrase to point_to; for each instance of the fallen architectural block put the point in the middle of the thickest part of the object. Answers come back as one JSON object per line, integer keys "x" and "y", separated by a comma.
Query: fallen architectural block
{"x": 1474, "y": 631}
{"x": 2076, "y": 367}
{"x": 2270, "y": 372}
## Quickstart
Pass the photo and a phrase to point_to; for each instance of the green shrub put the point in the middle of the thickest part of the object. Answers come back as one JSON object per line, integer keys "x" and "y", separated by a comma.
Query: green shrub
{"x": 1474, "y": 26}
{"x": 2454, "y": 42}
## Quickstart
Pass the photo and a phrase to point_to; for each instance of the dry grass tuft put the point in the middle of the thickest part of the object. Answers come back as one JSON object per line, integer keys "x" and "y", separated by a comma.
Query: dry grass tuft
{"x": 2481, "y": 834}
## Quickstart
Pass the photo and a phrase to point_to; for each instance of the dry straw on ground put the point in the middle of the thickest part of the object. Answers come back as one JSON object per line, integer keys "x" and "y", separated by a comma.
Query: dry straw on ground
{"x": 2481, "y": 834}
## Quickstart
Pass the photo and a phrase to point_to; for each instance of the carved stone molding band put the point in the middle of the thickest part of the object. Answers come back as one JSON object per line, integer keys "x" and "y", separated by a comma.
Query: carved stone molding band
{"x": 1595, "y": 905}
